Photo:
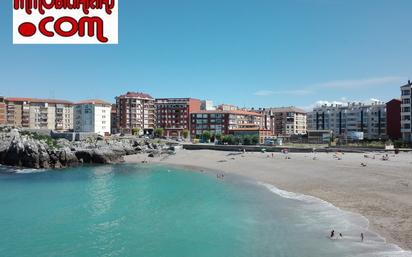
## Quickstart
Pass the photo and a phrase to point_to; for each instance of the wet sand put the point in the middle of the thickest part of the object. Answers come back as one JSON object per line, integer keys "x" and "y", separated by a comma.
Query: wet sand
{"x": 379, "y": 190}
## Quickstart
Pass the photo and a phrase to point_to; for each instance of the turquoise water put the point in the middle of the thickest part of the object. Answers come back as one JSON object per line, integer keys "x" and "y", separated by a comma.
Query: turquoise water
{"x": 132, "y": 210}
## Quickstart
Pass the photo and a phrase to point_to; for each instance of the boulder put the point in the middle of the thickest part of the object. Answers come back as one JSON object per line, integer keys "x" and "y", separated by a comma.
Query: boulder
{"x": 106, "y": 156}
{"x": 67, "y": 158}
{"x": 84, "y": 155}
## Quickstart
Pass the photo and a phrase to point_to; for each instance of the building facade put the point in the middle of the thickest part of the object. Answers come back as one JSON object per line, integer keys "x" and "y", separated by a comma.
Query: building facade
{"x": 135, "y": 111}
{"x": 227, "y": 107}
{"x": 113, "y": 117}
{"x": 393, "y": 119}
{"x": 262, "y": 134}
{"x": 347, "y": 119}
{"x": 36, "y": 113}
{"x": 406, "y": 112}
{"x": 3, "y": 111}
{"x": 223, "y": 122}
{"x": 285, "y": 121}
{"x": 207, "y": 105}
{"x": 173, "y": 114}
{"x": 93, "y": 116}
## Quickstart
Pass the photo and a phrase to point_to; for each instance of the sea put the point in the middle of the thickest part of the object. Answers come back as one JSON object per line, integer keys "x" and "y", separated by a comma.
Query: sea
{"x": 129, "y": 210}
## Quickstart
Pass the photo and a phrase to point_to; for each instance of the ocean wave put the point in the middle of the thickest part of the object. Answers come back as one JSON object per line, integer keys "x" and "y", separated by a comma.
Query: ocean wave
{"x": 353, "y": 220}
{"x": 7, "y": 169}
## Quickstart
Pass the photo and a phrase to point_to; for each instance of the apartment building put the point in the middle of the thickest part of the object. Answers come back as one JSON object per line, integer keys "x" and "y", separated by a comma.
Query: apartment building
{"x": 113, "y": 117}
{"x": 227, "y": 107}
{"x": 347, "y": 119}
{"x": 14, "y": 111}
{"x": 406, "y": 112}
{"x": 135, "y": 110}
{"x": 36, "y": 113}
{"x": 223, "y": 122}
{"x": 173, "y": 114}
{"x": 93, "y": 116}
{"x": 284, "y": 121}
{"x": 393, "y": 119}
{"x": 207, "y": 105}
{"x": 3, "y": 111}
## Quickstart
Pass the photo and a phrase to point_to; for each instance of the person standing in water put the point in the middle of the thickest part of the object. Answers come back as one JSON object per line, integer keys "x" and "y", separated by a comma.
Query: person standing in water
{"x": 361, "y": 236}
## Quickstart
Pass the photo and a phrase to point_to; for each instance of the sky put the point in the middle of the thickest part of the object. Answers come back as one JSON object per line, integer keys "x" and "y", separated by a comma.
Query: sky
{"x": 251, "y": 53}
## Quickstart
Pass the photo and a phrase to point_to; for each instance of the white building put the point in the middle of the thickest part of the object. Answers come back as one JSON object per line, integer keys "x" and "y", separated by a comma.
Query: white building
{"x": 406, "y": 112}
{"x": 350, "y": 118}
{"x": 93, "y": 116}
{"x": 207, "y": 105}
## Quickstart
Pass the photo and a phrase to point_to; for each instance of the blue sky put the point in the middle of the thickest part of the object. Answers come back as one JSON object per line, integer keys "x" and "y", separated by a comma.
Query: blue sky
{"x": 258, "y": 53}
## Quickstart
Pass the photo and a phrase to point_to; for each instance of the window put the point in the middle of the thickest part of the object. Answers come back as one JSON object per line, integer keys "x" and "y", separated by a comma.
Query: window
{"x": 406, "y": 92}
{"x": 406, "y": 109}
{"x": 406, "y": 101}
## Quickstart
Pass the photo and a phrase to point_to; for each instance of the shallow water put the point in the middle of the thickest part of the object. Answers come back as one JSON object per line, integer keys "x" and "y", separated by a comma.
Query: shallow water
{"x": 134, "y": 210}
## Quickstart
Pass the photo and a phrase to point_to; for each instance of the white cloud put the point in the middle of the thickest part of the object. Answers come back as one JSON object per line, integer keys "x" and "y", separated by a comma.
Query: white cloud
{"x": 361, "y": 83}
{"x": 337, "y": 84}
{"x": 282, "y": 92}
{"x": 263, "y": 93}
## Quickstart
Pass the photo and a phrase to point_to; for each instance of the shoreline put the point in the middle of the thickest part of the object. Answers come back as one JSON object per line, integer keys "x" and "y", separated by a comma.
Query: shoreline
{"x": 344, "y": 183}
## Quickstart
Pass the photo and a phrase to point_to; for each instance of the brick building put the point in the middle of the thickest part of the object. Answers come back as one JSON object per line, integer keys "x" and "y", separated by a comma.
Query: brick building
{"x": 223, "y": 122}
{"x": 173, "y": 114}
{"x": 393, "y": 119}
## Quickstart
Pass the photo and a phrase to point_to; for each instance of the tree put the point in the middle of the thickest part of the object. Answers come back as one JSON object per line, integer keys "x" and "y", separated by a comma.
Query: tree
{"x": 247, "y": 140}
{"x": 227, "y": 139}
{"x": 237, "y": 140}
{"x": 255, "y": 140}
{"x": 206, "y": 136}
{"x": 185, "y": 134}
{"x": 158, "y": 132}
{"x": 218, "y": 137}
{"x": 135, "y": 131}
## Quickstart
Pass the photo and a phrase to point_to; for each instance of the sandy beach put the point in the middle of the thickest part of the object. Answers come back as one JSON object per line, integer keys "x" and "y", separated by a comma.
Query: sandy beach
{"x": 380, "y": 190}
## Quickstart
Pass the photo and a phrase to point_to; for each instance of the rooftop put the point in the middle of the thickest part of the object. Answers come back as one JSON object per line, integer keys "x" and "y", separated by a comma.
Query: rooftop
{"x": 409, "y": 84}
{"x": 136, "y": 95}
{"x": 287, "y": 109}
{"x": 171, "y": 99}
{"x": 37, "y": 100}
{"x": 94, "y": 101}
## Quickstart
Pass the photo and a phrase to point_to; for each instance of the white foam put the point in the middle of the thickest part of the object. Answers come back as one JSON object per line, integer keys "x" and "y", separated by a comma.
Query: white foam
{"x": 347, "y": 219}
{"x": 8, "y": 169}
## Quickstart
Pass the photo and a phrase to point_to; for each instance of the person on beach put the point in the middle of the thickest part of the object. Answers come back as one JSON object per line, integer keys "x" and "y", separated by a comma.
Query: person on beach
{"x": 332, "y": 233}
{"x": 361, "y": 236}
{"x": 340, "y": 235}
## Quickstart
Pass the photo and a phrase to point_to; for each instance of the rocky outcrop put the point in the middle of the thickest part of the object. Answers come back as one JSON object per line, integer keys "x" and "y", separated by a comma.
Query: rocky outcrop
{"x": 39, "y": 152}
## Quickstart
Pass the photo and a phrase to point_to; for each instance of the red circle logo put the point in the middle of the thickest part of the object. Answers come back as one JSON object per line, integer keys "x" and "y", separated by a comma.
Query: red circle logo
{"x": 27, "y": 29}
